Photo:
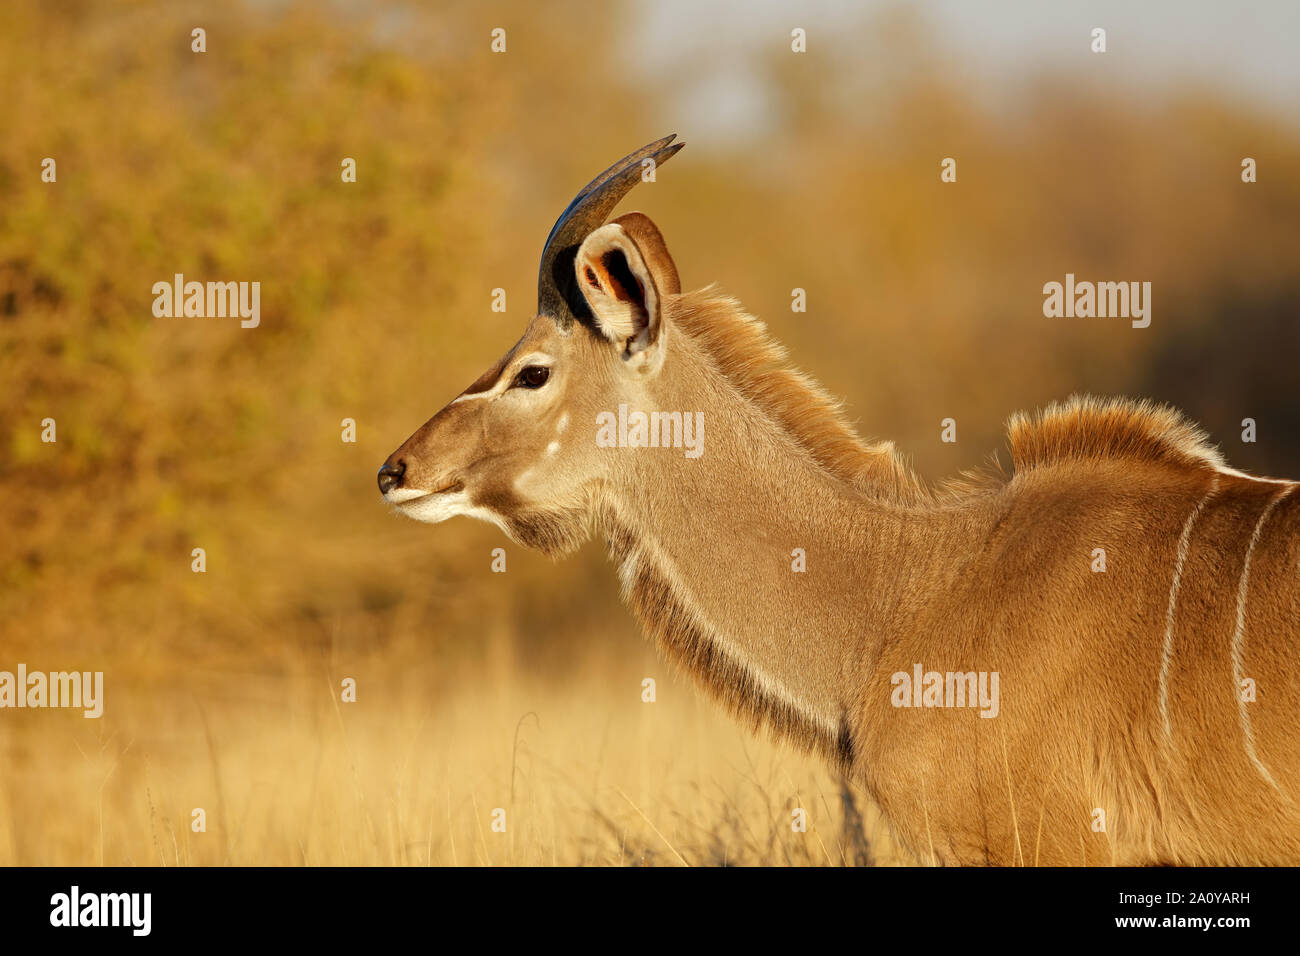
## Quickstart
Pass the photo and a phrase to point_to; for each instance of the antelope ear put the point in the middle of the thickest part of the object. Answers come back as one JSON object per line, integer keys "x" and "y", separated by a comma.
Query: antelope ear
{"x": 624, "y": 271}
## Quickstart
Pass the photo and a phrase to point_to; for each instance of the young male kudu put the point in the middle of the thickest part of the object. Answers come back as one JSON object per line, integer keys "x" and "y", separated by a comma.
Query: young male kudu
{"x": 1141, "y": 714}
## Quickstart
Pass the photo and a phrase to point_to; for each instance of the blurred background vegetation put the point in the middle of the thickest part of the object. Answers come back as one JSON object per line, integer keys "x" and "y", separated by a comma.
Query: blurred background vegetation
{"x": 517, "y": 690}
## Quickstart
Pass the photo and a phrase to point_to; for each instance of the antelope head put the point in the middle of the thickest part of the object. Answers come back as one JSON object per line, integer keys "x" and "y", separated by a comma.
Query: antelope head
{"x": 517, "y": 448}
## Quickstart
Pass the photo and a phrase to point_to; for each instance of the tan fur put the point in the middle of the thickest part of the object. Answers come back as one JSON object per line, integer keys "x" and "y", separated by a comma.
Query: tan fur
{"x": 1120, "y": 695}
{"x": 756, "y": 365}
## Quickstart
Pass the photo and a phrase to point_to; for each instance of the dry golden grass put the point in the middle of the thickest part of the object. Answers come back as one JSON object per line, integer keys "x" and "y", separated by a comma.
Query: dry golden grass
{"x": 586, "y": 772}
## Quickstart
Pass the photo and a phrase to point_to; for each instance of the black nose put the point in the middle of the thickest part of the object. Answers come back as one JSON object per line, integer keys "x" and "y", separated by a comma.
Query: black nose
{"x": 390, "y": 476}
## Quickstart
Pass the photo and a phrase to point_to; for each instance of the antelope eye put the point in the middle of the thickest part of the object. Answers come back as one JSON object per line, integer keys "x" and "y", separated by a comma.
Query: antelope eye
{"x": 534, "y": 376}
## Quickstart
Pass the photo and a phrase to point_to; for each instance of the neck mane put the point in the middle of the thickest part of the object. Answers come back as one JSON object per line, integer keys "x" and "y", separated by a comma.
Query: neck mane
{"x": 757, "y": 368}
{"x": 782, "y": 470}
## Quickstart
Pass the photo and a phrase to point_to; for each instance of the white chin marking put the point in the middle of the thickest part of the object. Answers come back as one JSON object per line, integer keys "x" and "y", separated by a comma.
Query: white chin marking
{"x": 433, "y": 509}
{"x": 398, "y": 495}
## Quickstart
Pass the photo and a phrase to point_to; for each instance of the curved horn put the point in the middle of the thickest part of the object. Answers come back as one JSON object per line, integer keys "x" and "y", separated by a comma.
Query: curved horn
{"x": 557, "y": 292}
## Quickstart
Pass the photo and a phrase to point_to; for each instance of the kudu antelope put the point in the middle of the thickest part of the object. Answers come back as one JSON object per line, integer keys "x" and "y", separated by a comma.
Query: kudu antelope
{"x": 1124, "y": 730}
